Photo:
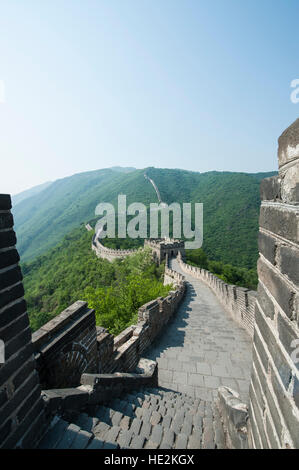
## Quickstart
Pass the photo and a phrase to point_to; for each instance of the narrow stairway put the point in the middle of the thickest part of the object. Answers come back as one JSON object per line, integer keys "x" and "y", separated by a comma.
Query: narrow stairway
{"x": 150, "y": 418}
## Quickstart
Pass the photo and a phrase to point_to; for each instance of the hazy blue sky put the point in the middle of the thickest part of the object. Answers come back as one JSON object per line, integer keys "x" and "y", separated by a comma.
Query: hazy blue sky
{"x": 195, "y": 84}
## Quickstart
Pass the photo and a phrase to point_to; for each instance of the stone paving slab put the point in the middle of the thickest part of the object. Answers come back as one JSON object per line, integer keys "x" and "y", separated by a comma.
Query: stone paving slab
{"x": 202, "y": 348}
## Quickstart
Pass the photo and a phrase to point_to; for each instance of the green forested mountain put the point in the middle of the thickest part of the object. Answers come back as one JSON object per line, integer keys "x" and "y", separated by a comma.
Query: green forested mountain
{"x": 29, "y": 192}
{"x": 41, "y": 221}
{"x": 231, "y": 205}
{"x": 71, "y": 271}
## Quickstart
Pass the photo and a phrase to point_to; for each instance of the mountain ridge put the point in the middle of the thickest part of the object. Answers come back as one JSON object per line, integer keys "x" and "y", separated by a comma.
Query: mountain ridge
{"x": 231, "y": 205}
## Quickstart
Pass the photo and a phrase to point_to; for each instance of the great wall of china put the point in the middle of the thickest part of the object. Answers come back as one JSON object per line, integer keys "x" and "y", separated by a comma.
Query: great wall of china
{"x": 209, "y": 366}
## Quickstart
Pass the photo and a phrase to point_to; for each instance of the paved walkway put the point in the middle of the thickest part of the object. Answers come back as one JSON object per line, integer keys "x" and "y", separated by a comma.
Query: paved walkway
{"x": 202, "y": 348}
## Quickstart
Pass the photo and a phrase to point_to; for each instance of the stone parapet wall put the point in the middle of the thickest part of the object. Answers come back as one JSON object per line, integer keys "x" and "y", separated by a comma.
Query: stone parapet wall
{"x": 71, "y": 344}
{"x": 21, "y": 407}
{"x": 274, "y": 389}
{"x": 238, "y": 301}
{"x": 127, "y": 348}
{"x": 108, "y": 253}
{"x": 66, "y": 347}
{"x": 97, "y": 389}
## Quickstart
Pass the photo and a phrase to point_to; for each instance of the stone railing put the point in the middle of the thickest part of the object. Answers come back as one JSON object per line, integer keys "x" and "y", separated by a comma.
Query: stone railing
{"x": 66, "y": 346}
{"x": 97, "y": 389}
{"x": 238, "y": 301}
{"x": 71, "y": 344}
{"x": 108, "y": 253}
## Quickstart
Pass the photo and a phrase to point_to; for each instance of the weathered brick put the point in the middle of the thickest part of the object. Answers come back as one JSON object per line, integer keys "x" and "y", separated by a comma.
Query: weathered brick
{"x": 22, "y": 375}
{"x": 290, "y": 184}
{"x": 35, "y": 430}
{"x": 258, "y": 422}
{"x": 260, "y": 349}
{"x": 287, "y": 331}
{"x": 12, "y": 294}
{"x": 267, "y": 246}
{"x": 296, "y": 392}
{"x": 13, "y": 329}
{"x": 5, "y": 430}
{"x": 10, "y": 277}
{"x": 17, "y": 343}
{"x": 20, "y": 396}
{"x": 254, "y": 431}
{"x": 288, "y": 144}
{"x": 274, "y": 443}
{"x": 265, "y": 302}
{"x": 29, "y": 403}
{"x": 281, "y": 221}
{"x": 157, "y": 433}
{"x": 13, "y": 312}
{"x": 6, "y": 220}
{"x": 3, "y": 397}
{"x": 265, "y": 394}
{"x": 278, "y": 287}
{"x": 7, "y": 239}
{"x": 13, "y": 365}
{"x": 274, "y": 347}
{"x": 289, "y": 262}
{"x": 270, "y": 189}
{"x": 284, "y": 400}
{"x": 8, "y": 258}
{"x": 5, "y": 202}
{"x": 25, "y": 427}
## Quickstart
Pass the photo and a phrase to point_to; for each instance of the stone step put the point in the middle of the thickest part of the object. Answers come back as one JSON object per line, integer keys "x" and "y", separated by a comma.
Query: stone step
{"x": 150, "y": 418}
{"x": 68, "y": 437}
{"x": 54, "y": 434}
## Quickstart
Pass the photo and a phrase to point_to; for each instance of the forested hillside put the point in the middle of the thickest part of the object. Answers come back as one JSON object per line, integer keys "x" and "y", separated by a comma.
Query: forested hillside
{"x": 231, "y": 206}
{"x": 71, "y": 271}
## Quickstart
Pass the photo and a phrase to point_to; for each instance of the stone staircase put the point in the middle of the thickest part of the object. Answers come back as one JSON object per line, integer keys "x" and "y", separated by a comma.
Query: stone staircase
{"x": 149, "y": 418}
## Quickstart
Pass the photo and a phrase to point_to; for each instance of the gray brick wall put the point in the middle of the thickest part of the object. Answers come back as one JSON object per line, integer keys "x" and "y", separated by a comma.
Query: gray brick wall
{"x": 274, "y": 391}
{"x": 21, "y": 407}
{"x": 66, "y": 347}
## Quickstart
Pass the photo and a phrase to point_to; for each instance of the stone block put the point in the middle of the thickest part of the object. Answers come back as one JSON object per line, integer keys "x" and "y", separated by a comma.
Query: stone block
{"x": 296, "y": 391}
{"x": 7, "y": 239}
{"x": 10, "y": 277}
{"x": 289, "y": 262}
{"x": 259, "y": 346}
{"x": 5, "y": 202}
{"x": 267, "y": 246}
{"x": 13, "y": 312}
{"x": 265, "y": 301}
{"x": 8, "y": 258}
{"x": 288, "y": 144}
{"x": 277, "y": 286}
{"x": 12, "y": 294}
{"x": 13, "y": 365}
{"x": 17, "y": 343}
{"x": 13, "y": 329}
{"x": 283, "y": 221}
{"x": 274, "y": 347}
{"x": 288, "y": 332}
{"x": 287, "y": 408}
{"x": 290, "y": 184}
{"x": 270, "y": 189}
{"x": 6, "y": 220}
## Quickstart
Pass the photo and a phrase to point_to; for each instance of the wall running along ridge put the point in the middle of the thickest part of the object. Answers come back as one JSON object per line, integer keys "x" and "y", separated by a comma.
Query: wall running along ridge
{"x": 108, "y": 253}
